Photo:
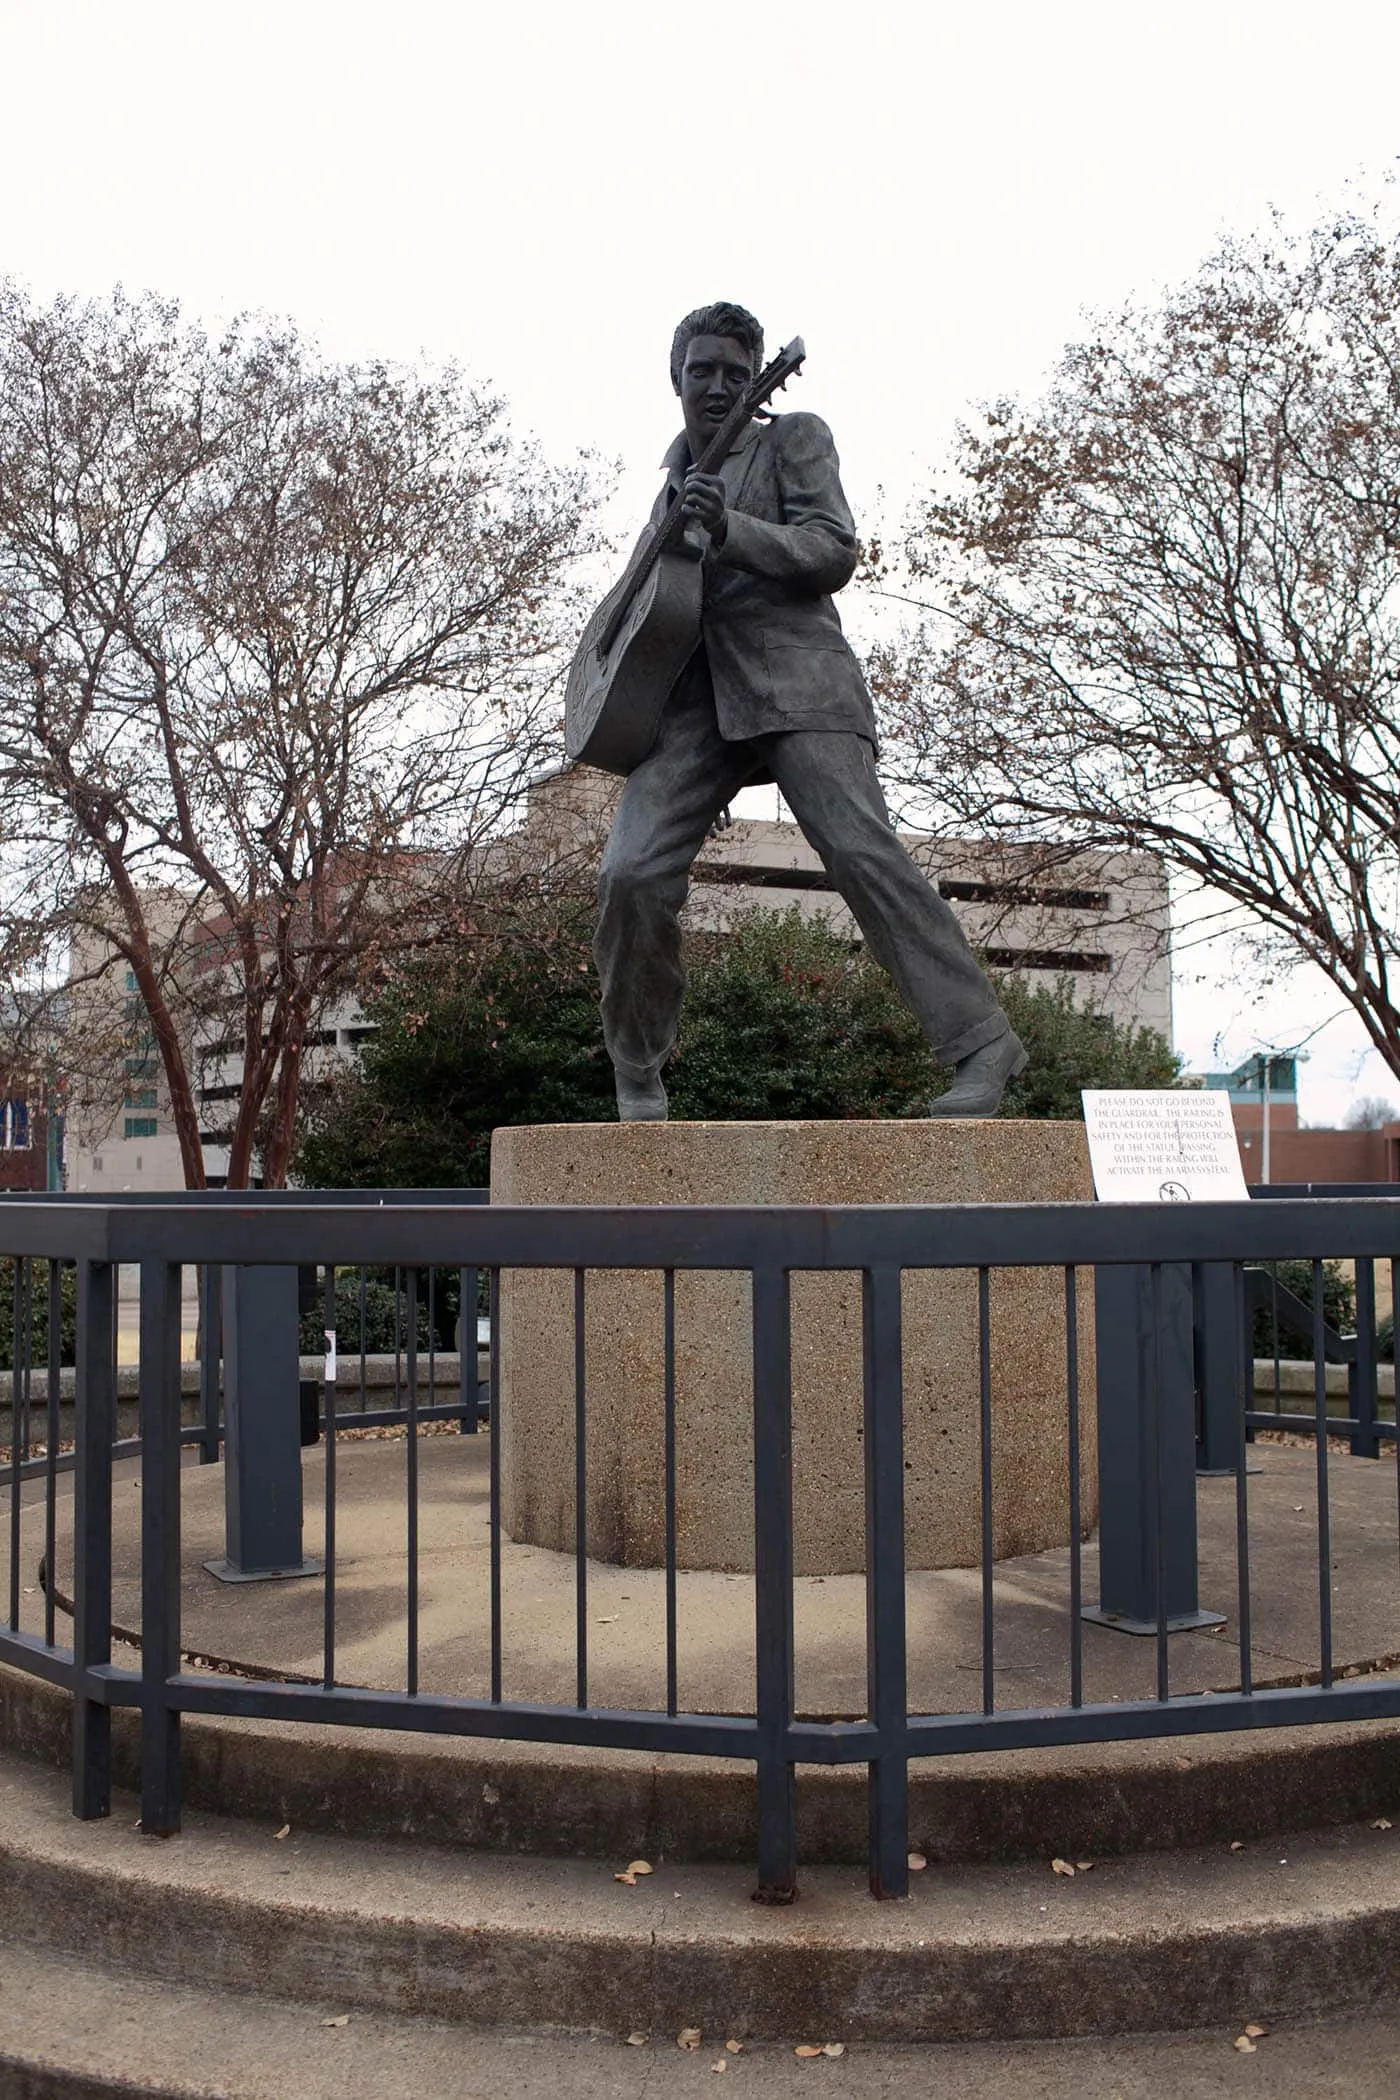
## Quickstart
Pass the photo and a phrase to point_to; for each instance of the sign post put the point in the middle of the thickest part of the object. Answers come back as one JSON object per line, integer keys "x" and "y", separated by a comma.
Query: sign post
{"x": 1157, "y": 1147}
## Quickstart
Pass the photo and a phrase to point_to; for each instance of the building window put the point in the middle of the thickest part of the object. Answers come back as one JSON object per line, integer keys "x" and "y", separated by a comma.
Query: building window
{"x": 143, "y": 1097}
{"x": 139, "y": 1126}
{"x": 14, "y": 1126}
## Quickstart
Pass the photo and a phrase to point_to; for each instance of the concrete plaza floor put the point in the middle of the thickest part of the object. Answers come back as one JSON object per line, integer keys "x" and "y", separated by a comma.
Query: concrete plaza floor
{"x": 279, "y": 1625}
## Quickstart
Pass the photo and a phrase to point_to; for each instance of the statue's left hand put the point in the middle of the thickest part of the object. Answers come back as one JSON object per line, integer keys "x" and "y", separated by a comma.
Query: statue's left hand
{"x": 703, "y": 500}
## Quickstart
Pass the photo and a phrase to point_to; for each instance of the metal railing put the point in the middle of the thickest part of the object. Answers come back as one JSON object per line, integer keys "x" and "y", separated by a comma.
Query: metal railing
{"x": 880, "y": 1245}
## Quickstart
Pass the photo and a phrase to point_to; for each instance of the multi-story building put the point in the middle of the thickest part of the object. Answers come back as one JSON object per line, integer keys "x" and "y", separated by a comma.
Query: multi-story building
{"x": 1096, "y": 921}
{"x": 1274, "y": 1147}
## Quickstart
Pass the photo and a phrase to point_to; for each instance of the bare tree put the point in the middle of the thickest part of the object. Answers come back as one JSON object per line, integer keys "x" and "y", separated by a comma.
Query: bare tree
{"x": 1159, "y": 609}
{"x": 278, "y": 649}
{"x": 1371, "y": 1112}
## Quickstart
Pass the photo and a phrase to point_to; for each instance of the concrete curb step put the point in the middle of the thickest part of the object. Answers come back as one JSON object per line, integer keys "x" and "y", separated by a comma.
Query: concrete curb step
{"x": 978, "y": 1953}
{"x": 1104, "y": 1799}
{"x": 72, "y": 2031}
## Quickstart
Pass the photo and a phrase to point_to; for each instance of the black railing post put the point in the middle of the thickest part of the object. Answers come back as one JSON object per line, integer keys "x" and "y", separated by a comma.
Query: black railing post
{"x": 160, "y": 1546}
{"x": 1361, "y": 1371}
{"x": 1143, "y": 1342}
{"x": 885, "y": 1647}
{"x": 94, "y": 1425}
{"x": 261, "y": 1324}
{"x": 773, "y": 1563}
{"x": 467, "y": 1317}
{"x": 1217, "y": 1342}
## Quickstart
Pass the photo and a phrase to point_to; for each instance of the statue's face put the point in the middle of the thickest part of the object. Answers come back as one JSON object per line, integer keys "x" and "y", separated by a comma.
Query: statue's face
{"x": 716, "y": 371}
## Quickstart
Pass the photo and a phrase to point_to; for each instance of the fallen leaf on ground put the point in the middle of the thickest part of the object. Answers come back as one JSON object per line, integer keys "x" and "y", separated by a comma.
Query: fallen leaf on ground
{"x": 628, "y": 1880}
{"x": 1253, "y": 2029}
{"x": 833, "y": 2048}
{"x": 340, "y": 2020}
{"x": 1183, "y": 1764}
{"x": 636, "y": 2041}
{"x": 1236, "y": 1845}
{"x": 917, "y": 1862}
{"x": 610, "y": 1620}
{"x": 285, "y": 1831}
{"x": 1061, "y": 1866}
{"x": 1298, "y": 1509}
{"x": 641, "y": 1866}
{"x": 1085, "y": 1866}
{"x": 1381, "y": 1823}
{"x": 721, "y": 2065}
{"x": 734, "y": 2047}
{"x": 1244, "y": 2045}
{"x": 490, "y": 1795}
{"x": 688, "y": 2038}
{"x": 808, "y": 2049}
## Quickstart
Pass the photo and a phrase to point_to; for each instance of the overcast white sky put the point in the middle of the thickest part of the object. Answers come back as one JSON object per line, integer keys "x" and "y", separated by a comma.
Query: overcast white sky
{"x": 932, "y": 196}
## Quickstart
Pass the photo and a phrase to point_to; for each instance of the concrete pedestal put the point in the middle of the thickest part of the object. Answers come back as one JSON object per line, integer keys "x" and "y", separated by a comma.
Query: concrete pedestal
{"x": 788, "y": 1163}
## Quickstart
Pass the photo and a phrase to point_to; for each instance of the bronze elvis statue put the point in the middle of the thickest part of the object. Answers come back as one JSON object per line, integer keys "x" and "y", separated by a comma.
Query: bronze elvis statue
{"x": 718, "y": 660}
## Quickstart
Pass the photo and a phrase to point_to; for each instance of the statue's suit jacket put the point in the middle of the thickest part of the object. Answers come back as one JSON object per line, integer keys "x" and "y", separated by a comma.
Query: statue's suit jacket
{"x": 772, "y": 637}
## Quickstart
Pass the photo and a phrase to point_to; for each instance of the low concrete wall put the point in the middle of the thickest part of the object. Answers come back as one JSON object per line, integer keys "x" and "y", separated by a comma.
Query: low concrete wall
{"x": 379, "y": 1372}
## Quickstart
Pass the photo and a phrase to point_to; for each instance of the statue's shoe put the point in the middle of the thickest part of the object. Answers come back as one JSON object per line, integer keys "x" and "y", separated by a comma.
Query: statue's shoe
{"x": 980, "y": 1080}
{"x": 641, "y": 1100}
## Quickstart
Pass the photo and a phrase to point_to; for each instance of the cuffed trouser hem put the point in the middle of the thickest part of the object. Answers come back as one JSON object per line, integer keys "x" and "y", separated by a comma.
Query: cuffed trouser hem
{"x": 989, "y": 1031}
{"x": 639, "y": 1075}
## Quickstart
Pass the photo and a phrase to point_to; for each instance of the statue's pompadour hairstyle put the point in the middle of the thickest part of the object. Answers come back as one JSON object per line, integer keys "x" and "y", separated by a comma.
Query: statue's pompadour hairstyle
{"x": 724, "y": 318}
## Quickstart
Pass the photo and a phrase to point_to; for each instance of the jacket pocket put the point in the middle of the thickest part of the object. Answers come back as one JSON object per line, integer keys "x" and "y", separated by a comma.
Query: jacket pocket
{"x": 809, "y": 677}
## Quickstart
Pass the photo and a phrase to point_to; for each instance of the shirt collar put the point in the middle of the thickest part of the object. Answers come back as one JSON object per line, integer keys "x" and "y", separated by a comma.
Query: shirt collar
{"x": 677, "y": 459}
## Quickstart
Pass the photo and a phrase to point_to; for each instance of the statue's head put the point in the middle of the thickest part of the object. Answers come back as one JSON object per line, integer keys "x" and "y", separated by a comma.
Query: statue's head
{"x": 722, "y": 319}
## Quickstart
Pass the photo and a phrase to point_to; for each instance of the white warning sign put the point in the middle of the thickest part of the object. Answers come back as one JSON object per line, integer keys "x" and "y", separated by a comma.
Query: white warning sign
{"x": 1163, "y": 1146}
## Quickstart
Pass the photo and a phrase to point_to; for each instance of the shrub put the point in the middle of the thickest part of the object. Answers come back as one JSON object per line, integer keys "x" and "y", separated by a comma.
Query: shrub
{"x": 39, "y": 1314}
{"x": 1338, "y": 1308}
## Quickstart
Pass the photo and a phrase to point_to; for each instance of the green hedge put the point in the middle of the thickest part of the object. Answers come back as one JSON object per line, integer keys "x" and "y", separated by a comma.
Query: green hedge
{"x": 39, "y": 1314}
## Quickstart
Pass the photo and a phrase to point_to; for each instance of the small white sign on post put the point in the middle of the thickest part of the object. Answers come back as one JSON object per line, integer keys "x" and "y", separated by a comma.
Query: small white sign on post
{"x": 1163, "y": 1146}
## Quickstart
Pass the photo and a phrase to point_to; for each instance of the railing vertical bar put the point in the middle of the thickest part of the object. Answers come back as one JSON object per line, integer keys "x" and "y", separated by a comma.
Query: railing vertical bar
{"x": 773, "y": 1574}
{"x": 1324, "y": 1515}
{"x": 494, "y": 1290}
{"x": 1277, "y": 1336}
{"x": 432, "y": 1336}
{"x": 1076, "y": 1550}
{"x": 94, "y": 1423}
{"x": 672, "y": 1667}
{"x": 1395, "y": 1361}
{"x": 886, "y": 1650}
{"x": 1156, "y": 1383}
{"x": 16, "y": 1462}
{"x": 410, "y": 1284}
{"x": 211, "y": 1329}
{"x": 984, "y": 1418}
{"x": 398, "y": 1339}
{"x": 52, "y": 1432}
{"x": 328, "y": 1592}
{"x": 364, "y": 1336}
{"x": 1364, "y": 1441}
{"x": 1244, "y": 1393}
{"x": 20, "y": 1437}
{"x": 160, "y": 1545}
{"x": 471, "y": 1369}
{"x": 580, "y": 1493}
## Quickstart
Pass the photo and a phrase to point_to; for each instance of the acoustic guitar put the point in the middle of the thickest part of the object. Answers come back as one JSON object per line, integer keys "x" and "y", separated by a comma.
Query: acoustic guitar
{"x": 643, "y": 634}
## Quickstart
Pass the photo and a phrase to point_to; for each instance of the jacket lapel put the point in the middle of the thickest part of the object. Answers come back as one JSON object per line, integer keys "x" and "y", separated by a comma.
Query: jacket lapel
{"x": 738, "y": 465}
